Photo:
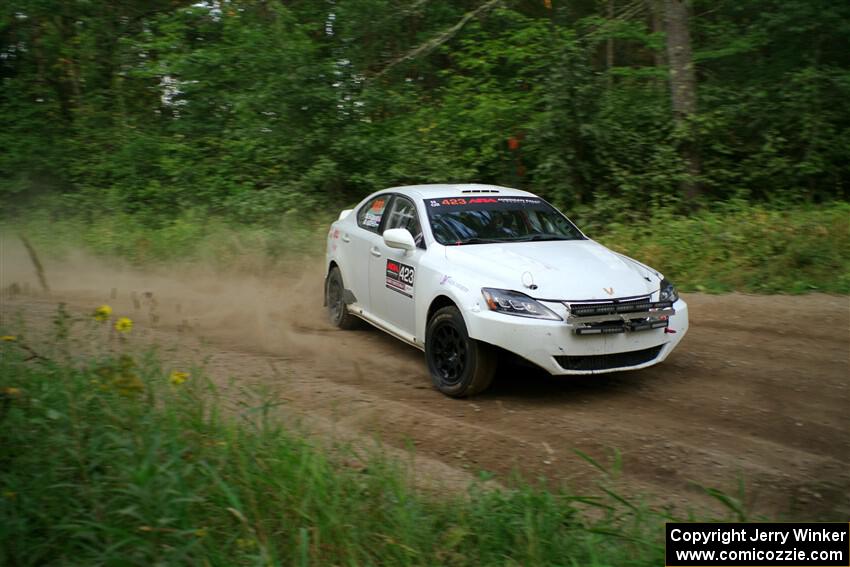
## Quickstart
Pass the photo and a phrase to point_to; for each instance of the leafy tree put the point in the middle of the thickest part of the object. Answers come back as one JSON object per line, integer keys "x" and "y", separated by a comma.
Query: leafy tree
{"x": 250, "y": 109}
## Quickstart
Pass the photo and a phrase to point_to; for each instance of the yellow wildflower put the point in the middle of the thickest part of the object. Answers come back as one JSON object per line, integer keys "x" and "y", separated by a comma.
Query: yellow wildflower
{"x": 12, "y": 392}
{"x": 123, "y": 324}
{"x": 177, "y": 377}
{"x": 8, "y": 338}
{"x": 201, "y": 532}
{"x": 102, "y": 313}
{"x": 245, "y": 543}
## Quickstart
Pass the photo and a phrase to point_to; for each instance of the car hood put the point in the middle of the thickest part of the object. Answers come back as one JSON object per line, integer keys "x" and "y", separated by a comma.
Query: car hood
{"x": 563, "y": 269}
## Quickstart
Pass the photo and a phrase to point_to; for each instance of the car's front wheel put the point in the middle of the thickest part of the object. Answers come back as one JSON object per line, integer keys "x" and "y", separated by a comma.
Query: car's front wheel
{"x": 335, "y": 301}
{"x": 459, "y": 365}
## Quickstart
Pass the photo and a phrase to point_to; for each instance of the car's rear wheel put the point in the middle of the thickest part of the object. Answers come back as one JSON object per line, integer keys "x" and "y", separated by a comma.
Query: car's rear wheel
{"x": 459, "y": 365}
{"x": 335, "y": 301}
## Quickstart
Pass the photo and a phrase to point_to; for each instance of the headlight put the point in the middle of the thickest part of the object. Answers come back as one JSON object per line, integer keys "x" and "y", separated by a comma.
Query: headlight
{"x": 668, "y": 292}
{"x": 515, "y": 303}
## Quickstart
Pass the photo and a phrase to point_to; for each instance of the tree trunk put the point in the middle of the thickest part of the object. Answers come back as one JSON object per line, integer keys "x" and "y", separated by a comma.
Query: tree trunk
{"x": 656, "y": 14}
{"x": 682, "y": 78}
{"x": 683, "y": 91}
{"x": 609, "y": 46}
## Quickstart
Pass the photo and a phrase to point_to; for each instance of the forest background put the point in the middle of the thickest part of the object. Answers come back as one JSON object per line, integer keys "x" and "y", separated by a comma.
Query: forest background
{"x": 709, "y": 138}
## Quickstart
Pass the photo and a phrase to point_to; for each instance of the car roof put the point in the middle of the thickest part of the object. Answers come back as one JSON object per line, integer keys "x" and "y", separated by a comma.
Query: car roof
{"x": 437, "y": 190}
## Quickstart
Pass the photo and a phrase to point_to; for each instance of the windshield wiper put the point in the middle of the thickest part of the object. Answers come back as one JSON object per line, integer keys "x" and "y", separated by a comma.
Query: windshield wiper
{"x": 540, "y": 237}
{"x": 477, "y": 240}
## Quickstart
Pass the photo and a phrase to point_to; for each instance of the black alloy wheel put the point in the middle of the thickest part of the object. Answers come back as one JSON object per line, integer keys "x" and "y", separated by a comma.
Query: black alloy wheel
{"x": 449, "y": 353}
{"x": 335, "y": 300}
{"x": 459, "y": 365}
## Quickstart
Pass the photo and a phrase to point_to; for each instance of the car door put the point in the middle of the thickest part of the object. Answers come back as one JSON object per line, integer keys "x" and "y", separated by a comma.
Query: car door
{"x": 392, "y": 272}
{"x": 357, "y": 242}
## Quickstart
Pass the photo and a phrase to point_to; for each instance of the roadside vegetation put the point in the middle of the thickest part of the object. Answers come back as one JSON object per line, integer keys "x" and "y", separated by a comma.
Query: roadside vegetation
{"x": 107, "y": 457}
{"x": 734, "y": 246}
{"x": 739, "y": 247}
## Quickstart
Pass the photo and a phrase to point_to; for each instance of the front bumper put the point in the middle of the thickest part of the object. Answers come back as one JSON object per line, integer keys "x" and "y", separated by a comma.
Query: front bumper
{"x": 555, "y": 347}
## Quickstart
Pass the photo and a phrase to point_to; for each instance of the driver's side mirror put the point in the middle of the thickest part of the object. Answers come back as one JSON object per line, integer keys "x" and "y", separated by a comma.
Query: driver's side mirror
{"x": 399, "y": 238}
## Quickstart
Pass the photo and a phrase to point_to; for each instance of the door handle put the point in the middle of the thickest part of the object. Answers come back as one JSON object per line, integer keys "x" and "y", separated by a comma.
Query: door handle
{"x": 375, "y": 252}
{"x": 346, "y": 238}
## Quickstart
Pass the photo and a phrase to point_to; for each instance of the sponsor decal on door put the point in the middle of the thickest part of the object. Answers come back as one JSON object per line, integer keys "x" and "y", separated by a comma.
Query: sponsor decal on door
{"x": 400, "y": 277}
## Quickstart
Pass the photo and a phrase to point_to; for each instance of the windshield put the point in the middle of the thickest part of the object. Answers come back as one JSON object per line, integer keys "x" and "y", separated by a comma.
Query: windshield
{"x": 482, "y": 220}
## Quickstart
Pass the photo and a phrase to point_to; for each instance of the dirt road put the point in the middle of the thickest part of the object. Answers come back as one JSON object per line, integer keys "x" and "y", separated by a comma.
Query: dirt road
{"x": 757, "y": 395}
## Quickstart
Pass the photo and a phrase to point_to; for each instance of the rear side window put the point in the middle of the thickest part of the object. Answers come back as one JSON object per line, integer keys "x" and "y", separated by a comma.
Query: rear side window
{"x": 369, "y": 216}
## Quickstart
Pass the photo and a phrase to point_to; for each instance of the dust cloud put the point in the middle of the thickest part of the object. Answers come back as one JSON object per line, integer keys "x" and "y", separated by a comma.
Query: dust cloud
{"x": 279, "y": 313}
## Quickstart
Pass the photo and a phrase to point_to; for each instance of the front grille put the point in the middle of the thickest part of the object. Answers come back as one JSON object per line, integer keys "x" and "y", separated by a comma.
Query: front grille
{"x": 611, "y": 327}
{"x": 609, "y": 361}
{"x": 615, "y": 307}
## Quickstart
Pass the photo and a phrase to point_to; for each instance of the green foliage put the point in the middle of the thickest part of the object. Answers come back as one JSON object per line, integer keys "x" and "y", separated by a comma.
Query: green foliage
{"x": 737, "y": 247}
{"x": 247, "y": 110}
{"x": 108, "y": 460}
{"x": 161, "y": 130}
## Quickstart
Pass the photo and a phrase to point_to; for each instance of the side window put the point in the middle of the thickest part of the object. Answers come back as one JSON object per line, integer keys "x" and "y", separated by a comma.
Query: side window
{"x": 402, "y": 214}
{"x": 369, "y": 216}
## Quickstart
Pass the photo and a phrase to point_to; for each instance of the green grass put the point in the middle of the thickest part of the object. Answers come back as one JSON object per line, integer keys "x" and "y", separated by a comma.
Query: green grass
{"x": 731, "y": 247}
{"x": 740, "y": 247}
{"x": 189, "y": 238}
{"x": 104, "y": 462}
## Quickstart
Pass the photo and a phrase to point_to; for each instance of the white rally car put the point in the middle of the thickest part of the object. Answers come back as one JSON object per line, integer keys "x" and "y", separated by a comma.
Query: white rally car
{"x": 464, "y": 271}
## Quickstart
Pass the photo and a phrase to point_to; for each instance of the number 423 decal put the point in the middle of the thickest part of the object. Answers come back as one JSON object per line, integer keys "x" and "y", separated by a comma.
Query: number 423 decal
{"x": 400, "y": 277}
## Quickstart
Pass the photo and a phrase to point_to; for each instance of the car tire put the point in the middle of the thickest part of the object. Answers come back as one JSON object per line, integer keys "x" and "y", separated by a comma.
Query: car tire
{"x": 335, "y": 300}
{"x": 459, "y": 365}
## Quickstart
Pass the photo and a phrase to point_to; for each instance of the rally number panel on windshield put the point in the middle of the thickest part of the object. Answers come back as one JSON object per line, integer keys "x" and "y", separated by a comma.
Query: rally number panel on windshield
{"x": 400, "y": 277}
{"x": 483, "y": 220}
{"x": 461, "y": 203}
